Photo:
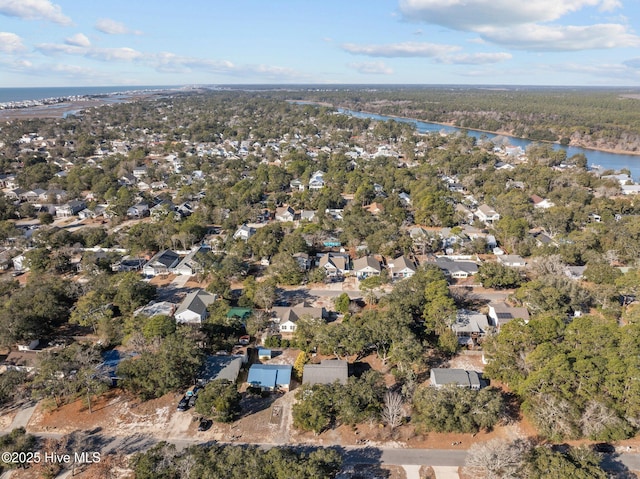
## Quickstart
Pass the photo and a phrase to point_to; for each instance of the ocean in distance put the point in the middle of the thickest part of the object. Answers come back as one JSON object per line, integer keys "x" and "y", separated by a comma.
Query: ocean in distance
{"x": 39, "y": 93}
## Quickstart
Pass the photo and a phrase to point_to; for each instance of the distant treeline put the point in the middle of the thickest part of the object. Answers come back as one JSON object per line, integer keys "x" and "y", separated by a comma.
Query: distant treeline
{"x": 596, "y": 118}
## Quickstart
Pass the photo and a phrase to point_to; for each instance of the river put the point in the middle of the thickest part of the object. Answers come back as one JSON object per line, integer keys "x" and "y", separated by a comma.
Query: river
{"x": 605, "y": 159}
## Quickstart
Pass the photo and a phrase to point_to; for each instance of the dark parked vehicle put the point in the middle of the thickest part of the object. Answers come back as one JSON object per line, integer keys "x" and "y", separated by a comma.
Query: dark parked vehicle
{"x": 604, "y": 447}
{"x": 205, "y": 424}
{"x": 192, "y": 401}
{"x": 183, "y": 405}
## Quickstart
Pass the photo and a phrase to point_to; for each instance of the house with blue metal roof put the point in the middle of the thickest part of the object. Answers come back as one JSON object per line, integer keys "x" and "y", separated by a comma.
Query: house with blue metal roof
{"x": 270, "y": 377}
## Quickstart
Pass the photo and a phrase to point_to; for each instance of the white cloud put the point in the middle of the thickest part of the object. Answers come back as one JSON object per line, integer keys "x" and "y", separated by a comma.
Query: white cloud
{"x": 123, "y": 54}
{"x": 407, "y": 49}
{"x": 471, "y": 14}
{"x": 78, "y": 40}
{"x": 10, "y": 43}
{"x": 111, "y": 27}
{"x": 562, "y": 38}
{"x": 475, "y": 58}
{"x": 34, "y": 10}
{"x": 167, "y": 62}
{"x": 371, "y": 68}
{"x": 60, "y": 49}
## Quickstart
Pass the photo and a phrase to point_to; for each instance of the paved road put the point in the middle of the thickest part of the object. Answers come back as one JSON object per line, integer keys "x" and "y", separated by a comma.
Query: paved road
{"x": 443, "y": 459}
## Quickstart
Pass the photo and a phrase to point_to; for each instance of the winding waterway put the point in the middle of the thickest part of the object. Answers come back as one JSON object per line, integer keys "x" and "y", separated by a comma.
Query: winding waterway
{"x": 605, "y": 159}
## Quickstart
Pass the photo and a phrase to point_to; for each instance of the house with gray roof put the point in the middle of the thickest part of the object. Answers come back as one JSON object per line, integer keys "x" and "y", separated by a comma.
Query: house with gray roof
{"x": 487, "y": 214}
{"x": 221, "y": 367}
{"x": 288, "y": 317}
{"x": 402, "y": 267}
{"x": 161, "y": 263}
{"x": 190, "y": 264}
{"x": 441, "y": 377}
{"x": 327, "y": 372}
{"x": 501, "y": 313}
{"x": 193, "y": 309}
{"x": 456, "y": 269}
{"x": 334, "y": 264}
{"x": 366, "y": 266}
{"x": 469, "y": 325}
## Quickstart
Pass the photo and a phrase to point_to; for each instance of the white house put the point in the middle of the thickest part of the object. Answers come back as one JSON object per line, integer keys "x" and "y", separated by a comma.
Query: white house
{"x": 161, "y": 263}
{"x": 512, "y": 260}
{"x": 284, "y": 214}
{"x": 501, "y": 313}
{"x": 402, "y": 267}
{"x": 541, "y": 203}
{"x": 334, "y": 264}
{"x": 244, "y": 233}
{"x": 487, "y": 214}
{"x": 366, "y": 266}
{"x": 288, "y": 317}
{"x": 317, "y": 181}
{"x": 193, "y": 309}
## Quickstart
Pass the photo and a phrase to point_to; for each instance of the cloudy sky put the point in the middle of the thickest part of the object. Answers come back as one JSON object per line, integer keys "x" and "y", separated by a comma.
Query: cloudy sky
{"x": 162, "y": 42}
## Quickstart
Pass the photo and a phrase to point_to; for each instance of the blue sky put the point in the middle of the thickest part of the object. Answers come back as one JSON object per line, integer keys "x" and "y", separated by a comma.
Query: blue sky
{"x": 144, "y": 42}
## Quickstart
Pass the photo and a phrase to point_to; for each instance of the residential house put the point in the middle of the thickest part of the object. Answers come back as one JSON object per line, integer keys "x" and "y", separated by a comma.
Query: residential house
{"x": 70, "y": 209}
{"x": 156, "y": 308}
{"x": 139, "y": 210}
{"x": 307, "y": 215}
{"x": 575, "y": 272}
{"x": 405, "y": 198}
{"x": 288, "y": 317}
{"x": 304, "y": 261}
{"x": 140, "y": 171}
{"x": 270, "y": 377}
{"x": 285, "y": 214}
{"x": 512, "y": 260}
{"x": 128, "y": 264}
{"x": 464, "y": 212}
{"x": 296, "y": 185}
{"x": 541, "y": 203}
{"x": 329, "y": 371}
{"x": 161, "y": 263}
{"x": 336, "y": 214}
{"x": 244, "y": 233}
{"x": 501, "y": 313}
{"x": 441, "y": 377}
{"x": 193, "y": 309}
{"x": 366, "y": 266}
{"x": 456, "y": 269}
{"x": 225, "y": 366}
{"x": 469, "y": 326}
{"x": 190, "y": 264}
{"x": 375, "y": 208}
{"x": 487, "y": 214}
{"x": 334, "y": 264}
{"x": 402, "y": 267}
{"x": 317, "y": 181}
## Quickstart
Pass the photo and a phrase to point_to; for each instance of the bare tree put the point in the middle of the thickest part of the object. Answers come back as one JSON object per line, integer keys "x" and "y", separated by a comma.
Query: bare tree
{"x": 497, "y": 459}
{"x": 393, "y": 409}
{"x": 597, "y": 417}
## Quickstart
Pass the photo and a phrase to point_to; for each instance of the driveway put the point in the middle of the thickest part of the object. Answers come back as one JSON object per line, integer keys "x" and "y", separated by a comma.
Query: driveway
{"x": 445, "y": 472}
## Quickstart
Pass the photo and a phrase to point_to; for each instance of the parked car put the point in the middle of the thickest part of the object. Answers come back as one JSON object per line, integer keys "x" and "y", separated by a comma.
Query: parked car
{"x": 192, "y": 401}
{"x": 604, "y": 447}
{"x": 204, "y": 424}
{"x": 183, "y": 405}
